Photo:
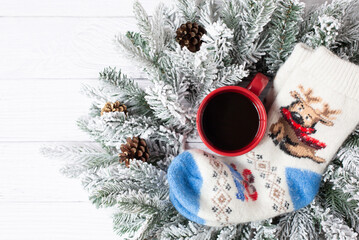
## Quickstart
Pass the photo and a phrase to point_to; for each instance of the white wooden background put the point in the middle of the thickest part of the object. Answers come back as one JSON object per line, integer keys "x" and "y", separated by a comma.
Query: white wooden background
{"x": 48, "y": 49}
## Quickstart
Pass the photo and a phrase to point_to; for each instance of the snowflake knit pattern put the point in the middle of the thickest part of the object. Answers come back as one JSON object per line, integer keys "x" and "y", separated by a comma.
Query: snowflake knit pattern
{"x": 319, "y": 97}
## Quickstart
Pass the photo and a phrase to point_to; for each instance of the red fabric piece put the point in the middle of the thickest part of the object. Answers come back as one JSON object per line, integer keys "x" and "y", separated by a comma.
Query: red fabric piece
{"x": 302, "y": 132}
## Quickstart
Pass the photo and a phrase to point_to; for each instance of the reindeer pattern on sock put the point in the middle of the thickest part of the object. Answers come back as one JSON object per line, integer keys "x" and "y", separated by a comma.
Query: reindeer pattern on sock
{"x": 298, "y": 121}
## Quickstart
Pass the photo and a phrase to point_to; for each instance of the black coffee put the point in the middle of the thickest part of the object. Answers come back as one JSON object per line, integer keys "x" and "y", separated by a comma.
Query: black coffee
{"x": 230, "y": 121}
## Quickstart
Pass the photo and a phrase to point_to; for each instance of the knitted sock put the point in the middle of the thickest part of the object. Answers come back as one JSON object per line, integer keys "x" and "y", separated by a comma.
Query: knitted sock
{"x": 315, "y": 110}
{"x": 300, "y": 54}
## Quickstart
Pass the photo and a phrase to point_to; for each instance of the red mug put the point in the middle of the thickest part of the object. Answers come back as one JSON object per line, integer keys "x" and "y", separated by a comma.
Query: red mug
{"x": 252, "y": 91}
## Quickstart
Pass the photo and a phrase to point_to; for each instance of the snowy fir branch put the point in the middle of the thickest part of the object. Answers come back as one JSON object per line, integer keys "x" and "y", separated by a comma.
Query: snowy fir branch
{"x": 300, "y": 224}
{"x": 143, "y": 21}
{"x": 82, "y": 158}
{"x": 323, "y": 25}
{"x": 283, "y": 32}
{"x": 189, "y": 9}
{"x": 128, "y": 91}
{"x": 139, "y": 41}
{"x": 189, "y": 231}
{"x": 134, "y": 52}
{"x": 168, "y": 104}
{"x": 242, "y": 36}
{"x": 333, "y": 227}
{"x": 113, "y": 129}
{"x": 249, "y": 42}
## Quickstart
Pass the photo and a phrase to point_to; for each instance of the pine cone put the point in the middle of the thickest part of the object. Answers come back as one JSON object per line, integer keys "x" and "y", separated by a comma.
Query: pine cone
{"x": 114, "y": 107}
{"x": 135, "y": 148}
{"x": 190, "y": 35}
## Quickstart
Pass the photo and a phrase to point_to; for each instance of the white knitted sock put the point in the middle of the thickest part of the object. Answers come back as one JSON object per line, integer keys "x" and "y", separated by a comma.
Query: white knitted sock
{"x": 315, "y": 110}
{"x": 300, "y": 54}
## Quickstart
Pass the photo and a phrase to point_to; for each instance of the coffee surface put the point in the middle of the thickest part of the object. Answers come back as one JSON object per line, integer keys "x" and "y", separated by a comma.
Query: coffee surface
{"x": 230, "y": 121}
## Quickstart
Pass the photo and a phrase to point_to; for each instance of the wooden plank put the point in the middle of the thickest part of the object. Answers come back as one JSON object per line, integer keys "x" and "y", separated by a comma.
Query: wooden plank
{"x": 43, "y": 221}
{"x": 69, "y": 8}
{"x": 89, "y": 8}
{"x": 27, "y": 176}
{"x": 37, "y": 202}
{"x": 84, "y": 8}
{"x": 62, "y": 47}
{"x": 44, "y": 110}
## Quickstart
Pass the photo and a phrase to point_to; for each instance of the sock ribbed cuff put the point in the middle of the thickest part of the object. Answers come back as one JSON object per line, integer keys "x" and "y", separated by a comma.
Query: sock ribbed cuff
{"x": 334, "y": 72}
{"x": 299, "y": 55}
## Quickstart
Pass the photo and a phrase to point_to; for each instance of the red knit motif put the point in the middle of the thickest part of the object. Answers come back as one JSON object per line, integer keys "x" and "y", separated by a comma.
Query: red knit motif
{"x": 302, "y": 132}
{"x": 251, "y": 191}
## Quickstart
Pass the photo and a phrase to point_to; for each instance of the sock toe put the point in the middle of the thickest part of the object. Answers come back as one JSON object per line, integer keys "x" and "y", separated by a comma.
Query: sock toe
{"x": 192, "y": 217}
{"x": 185, "y": 181}
{"x": 184, "y": 212}
{"x": 303, "y": 186}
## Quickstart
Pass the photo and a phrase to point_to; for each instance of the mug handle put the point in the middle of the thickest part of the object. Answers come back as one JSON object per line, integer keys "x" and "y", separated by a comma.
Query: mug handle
{"x": 258, "y": 83}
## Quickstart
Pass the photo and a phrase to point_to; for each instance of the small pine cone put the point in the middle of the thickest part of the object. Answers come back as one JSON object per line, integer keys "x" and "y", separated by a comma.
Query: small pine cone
{"x": 134, "y": 148}
{"x": 114, "y": 107}
{"x": 189, "y": 35}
